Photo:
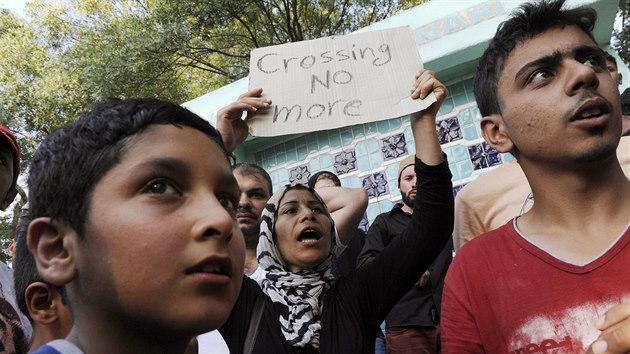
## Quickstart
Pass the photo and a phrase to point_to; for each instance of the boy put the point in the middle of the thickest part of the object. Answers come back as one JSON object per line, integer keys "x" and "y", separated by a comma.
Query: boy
{"x": 133, "y": 212}
{"x": 540, "y": 282}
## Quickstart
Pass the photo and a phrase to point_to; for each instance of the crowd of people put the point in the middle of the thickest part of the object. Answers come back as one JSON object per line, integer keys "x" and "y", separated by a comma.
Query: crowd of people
{"x": 133, "y": 245}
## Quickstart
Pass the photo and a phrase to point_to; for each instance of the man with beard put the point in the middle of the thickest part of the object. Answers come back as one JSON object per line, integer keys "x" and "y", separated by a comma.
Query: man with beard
{"x": 412, "y": 326}
{"x": 256, "y": 189}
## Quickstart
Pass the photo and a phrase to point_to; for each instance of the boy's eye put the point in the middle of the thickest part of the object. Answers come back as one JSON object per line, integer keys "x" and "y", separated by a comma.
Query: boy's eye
{"x": 228, "y": 202}
{"x": 539, "y": 75}
{"x": 317, "y": 210}
{"x": 160, "y": 187}
{"x": 594, "y": 61}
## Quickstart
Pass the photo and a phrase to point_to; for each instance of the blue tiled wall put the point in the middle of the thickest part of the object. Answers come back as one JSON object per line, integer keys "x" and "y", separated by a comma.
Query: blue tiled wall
{"x": 368, "y": 155}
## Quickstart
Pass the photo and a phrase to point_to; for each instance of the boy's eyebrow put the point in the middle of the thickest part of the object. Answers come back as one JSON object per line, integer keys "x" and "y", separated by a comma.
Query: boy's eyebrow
{"x": 556, "y": 57}
{"x": 161, "y": 163}
{"x": 584, "y": 50}
{"x": 548, "y": 60}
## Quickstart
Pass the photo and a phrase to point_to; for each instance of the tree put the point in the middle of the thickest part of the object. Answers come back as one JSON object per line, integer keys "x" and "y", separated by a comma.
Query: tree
{"x": 621, "y": 33}
{"x": 69, "y": 53}
{"x": 226, "y": 31}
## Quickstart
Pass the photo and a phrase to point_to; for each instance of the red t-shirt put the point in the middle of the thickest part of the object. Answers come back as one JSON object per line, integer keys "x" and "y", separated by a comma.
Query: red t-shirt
{"x": 505, "y": 295}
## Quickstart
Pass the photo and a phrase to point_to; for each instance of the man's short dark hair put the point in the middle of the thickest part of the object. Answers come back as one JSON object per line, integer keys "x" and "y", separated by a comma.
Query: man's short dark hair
{"x": 528, "y": 21}
{"x": 251, "y": 169}
{"x": 625, "y": 102}
{"x": 71, "y": 161}
{"x": 323, "y": 175}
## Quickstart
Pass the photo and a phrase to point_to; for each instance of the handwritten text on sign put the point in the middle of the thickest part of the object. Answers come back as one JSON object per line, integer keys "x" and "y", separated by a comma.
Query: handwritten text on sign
{"x": 336, "y": 81}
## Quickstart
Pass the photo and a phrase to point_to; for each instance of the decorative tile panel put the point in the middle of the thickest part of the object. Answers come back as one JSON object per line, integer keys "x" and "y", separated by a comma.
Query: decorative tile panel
{"x": 345, "y": 162}
{"x": 299, "y": 175}
{"x": 394, "y": 146}
{"x": 448, "y": 130}
{"x": 483, "y": 156}
{"x": 375, "y": 185}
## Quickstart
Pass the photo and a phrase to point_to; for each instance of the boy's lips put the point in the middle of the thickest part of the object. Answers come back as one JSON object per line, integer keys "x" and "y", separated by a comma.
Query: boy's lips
{"x": 213, "y": 269}
{"x": 592, "y": 113}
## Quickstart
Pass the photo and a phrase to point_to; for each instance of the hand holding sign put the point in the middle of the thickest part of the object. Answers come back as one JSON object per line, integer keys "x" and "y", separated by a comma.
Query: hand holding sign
{"x": 336, "y": 81}
{"x": 233, "y": 128}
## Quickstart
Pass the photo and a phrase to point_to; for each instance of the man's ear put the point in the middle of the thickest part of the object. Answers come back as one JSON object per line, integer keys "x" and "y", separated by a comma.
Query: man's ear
{"x": 38, "y": 298}
{"x": 494, "y": 131}
{"x": 8, "y": 199}
{"x": 54, "y": 246}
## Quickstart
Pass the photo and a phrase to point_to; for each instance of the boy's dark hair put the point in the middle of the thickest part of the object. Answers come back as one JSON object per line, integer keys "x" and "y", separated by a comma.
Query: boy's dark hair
{"x": 24, "y": 266}
{"x": 71, "y": 161}
{"x": 530, "y": 20}
{"x": 251, "y": 169}
{"x": 323, "y": 175}
{"x": 611, "y": 59}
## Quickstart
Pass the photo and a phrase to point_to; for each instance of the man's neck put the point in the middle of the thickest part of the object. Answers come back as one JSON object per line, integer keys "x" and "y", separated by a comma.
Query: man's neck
{"x": 407, "y": 209}
{"x": 576, "y": 214}
{"x": 251, "y": 262}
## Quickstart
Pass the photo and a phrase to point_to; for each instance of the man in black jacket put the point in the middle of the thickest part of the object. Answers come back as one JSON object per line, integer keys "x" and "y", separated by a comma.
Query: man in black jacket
{"x": 412, "y": 326}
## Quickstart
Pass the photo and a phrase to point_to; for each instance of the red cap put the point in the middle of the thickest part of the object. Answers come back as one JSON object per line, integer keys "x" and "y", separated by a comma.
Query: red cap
{"x": 9, "y": 139}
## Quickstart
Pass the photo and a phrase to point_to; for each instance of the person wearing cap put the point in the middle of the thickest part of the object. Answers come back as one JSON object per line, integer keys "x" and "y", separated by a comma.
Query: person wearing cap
{"x": 10, "y": 157}
{"x": 412, "y": 326}
{"x": 15, "y": 329}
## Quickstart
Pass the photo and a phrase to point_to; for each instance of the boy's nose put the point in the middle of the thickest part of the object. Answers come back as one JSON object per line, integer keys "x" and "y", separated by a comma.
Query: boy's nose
{"x": 581, "y": 77}
{"x": 213, "y": 220}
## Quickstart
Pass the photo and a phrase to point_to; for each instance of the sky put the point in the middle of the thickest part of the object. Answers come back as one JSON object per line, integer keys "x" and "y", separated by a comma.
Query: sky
{"x": 16, "y": 6}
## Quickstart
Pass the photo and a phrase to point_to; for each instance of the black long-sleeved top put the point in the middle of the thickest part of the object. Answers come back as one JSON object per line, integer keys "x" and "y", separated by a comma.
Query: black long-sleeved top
{"x": 356, "y": 304}
{"x": 421, "y": 306}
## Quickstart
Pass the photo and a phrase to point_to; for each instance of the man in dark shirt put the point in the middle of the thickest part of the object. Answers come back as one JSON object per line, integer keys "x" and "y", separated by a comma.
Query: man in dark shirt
{"x": 412, "y": 326}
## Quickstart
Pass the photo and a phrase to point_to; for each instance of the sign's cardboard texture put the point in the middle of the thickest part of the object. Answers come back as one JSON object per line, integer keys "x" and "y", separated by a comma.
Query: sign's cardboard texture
{"x": 336, "y": 81}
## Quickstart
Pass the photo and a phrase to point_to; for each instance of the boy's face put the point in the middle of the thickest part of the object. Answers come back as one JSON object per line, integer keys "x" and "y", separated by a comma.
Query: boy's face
{"x": 161, "y": 241}
{"x": 6, "y": 172}
{"x": 612, "y": 68}
{"x": 558, "y": 99}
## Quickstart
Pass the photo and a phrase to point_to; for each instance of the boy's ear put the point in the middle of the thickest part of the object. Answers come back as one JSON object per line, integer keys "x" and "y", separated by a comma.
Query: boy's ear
{"x": 8, "y": 199}
{"x": 38, "y": 298}
{"x": 54, "y": 246}
{"x": 494, "y": 132}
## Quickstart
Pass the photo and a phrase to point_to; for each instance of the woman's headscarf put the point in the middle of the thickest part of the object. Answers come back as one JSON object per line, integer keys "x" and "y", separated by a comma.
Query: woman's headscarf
{"x": 299, "y": 294}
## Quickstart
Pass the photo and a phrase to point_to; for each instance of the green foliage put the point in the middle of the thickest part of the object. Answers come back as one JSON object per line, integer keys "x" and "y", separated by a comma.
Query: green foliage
{"x": 69, "y": 53}
{"x": 621, "y": 34}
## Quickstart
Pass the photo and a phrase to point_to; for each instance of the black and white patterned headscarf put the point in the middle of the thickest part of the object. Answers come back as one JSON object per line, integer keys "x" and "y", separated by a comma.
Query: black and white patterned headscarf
{"x": 300, "y": 295}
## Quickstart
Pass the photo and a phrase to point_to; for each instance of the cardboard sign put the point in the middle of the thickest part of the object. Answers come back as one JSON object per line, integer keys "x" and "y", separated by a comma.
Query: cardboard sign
{"x": 336, "y": 81}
